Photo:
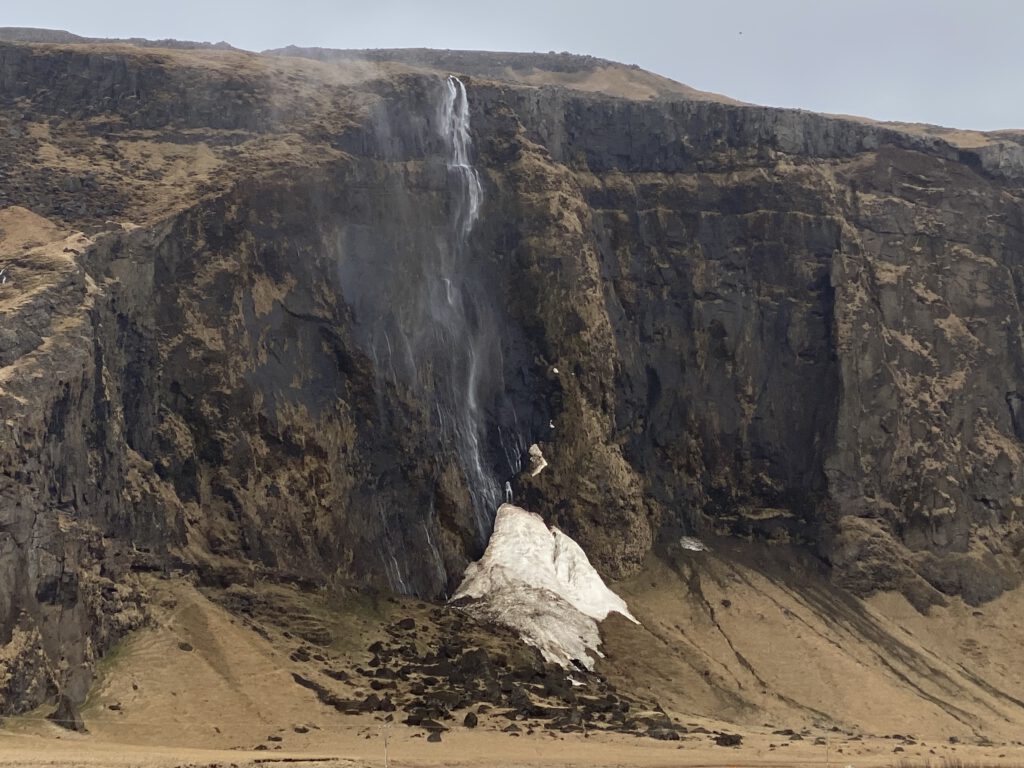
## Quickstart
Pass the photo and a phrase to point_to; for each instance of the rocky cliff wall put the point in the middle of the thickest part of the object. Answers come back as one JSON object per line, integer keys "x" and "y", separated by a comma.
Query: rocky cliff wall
{"x": 812, "y": 327}
{"x": 712, "y": 318}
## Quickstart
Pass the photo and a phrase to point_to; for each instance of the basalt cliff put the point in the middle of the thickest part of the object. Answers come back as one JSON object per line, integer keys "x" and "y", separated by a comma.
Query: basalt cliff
{"x": 231, "y": 282}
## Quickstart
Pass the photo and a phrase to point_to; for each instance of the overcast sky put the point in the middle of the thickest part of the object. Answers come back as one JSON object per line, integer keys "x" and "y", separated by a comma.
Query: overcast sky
{"x": 957, "y": 63}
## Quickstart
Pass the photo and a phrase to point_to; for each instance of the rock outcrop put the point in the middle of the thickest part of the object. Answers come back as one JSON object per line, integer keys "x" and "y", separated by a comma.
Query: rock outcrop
{"x": 711, "y": 318}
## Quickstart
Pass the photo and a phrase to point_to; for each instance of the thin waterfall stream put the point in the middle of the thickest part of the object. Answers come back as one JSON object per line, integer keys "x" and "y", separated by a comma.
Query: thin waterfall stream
{"x": 432, "y": 319}
{"x": 462, "y": 322}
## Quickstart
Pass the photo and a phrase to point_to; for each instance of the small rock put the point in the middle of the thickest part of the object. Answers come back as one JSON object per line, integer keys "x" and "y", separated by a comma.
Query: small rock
{"x": 537, "y": 460}
{"x": 728, "y": 739}
{"x": 663, "y": 734}
{"x": 185, "y": 646}
{"x": 470, "y": 720}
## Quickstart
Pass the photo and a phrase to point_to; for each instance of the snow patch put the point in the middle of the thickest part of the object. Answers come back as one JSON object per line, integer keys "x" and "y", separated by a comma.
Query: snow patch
{"x": 692, "y": 544}
{"x": 540, "y": 582}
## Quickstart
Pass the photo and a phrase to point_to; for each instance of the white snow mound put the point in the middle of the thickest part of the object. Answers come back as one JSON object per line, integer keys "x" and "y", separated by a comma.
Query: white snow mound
{"x": 539, "y": 582}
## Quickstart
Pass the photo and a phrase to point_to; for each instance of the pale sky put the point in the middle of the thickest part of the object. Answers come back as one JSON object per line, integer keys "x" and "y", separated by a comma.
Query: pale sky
{"x": 948, "y": 62}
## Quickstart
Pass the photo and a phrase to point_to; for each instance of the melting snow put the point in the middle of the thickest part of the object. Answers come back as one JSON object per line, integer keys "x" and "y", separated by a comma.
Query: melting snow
{"x": 692, "y": 544}
{"x": 539, "y": 582}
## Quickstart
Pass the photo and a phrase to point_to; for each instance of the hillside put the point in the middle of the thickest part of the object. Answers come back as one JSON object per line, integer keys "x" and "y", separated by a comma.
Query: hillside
{"x": 277, "y": 332}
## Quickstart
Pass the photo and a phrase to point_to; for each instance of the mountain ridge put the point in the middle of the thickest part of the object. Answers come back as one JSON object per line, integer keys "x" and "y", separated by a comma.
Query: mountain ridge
{"x": 792, "y": 335}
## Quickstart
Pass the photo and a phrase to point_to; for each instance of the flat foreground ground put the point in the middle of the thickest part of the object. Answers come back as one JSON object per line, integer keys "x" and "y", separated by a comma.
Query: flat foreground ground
{"x": 491, "y": 749}
{"x": 800, "y": 682}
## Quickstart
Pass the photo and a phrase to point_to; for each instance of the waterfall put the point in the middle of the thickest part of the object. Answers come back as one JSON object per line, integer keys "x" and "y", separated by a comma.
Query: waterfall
{"x": 427, "y": 311}
{"x": 454, "y": 124}
{"x": 462, "y": 319}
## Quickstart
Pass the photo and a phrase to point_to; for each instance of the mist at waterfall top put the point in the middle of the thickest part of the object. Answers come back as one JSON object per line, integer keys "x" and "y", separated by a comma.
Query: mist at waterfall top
{"x": 945, "y": 62}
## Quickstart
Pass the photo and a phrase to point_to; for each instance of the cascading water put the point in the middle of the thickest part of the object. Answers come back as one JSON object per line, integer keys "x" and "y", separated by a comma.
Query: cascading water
{"x": 430, "y": 314}
{"x": 458, "y": 314}
{"x": 454, "y": 126}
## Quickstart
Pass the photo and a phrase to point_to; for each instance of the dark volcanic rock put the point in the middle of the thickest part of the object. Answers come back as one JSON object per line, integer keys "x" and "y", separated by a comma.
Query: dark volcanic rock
{"x": 765, "y": 323}
{"x": 668, "y": 734}
{"x": 67, "y": 715}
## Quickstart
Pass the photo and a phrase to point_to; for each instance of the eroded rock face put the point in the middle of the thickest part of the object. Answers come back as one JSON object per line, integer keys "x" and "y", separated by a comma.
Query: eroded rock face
{"x": 714, "y": 317}
{"x": 811, "y": 327}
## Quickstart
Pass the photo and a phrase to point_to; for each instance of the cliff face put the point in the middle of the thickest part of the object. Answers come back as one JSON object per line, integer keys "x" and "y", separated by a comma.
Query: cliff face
{"x": 217, "y": 348}
{"x": 811, "y": 326}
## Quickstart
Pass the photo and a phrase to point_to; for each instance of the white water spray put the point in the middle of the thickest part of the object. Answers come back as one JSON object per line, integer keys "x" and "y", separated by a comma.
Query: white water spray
{"x": 432, "y": 321}
{"x": 459, "y": 315}
{"x": 455, "y": 131}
